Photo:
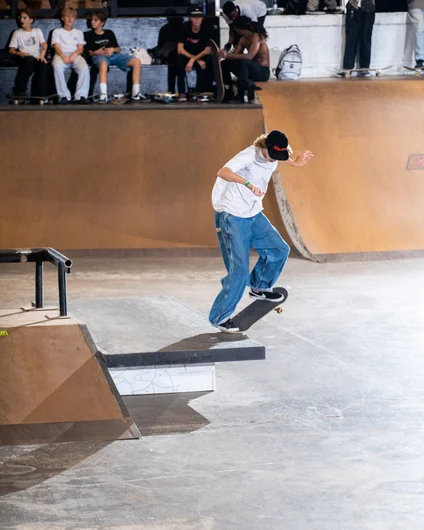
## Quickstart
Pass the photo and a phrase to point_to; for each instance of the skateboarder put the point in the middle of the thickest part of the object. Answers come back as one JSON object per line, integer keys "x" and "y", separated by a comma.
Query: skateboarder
{"x": 240, "y": 224}
{"x": 416, "y": 15}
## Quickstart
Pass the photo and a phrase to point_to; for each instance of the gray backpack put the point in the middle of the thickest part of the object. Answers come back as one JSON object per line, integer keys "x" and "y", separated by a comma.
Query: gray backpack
{"x": 289, "y": 64}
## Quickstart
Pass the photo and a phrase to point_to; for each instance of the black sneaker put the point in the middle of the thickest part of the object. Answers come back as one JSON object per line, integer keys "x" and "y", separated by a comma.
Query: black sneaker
{"x": 228, "y": 327}
{"x": 82, "y": 101}
{"x": 64, "y": 101}
{"x": 267, "y": 296}
{"x": 419, "y": 64}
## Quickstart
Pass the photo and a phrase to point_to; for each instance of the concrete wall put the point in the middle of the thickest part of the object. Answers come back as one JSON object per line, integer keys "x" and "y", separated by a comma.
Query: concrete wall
{"x": 321, "y": 40}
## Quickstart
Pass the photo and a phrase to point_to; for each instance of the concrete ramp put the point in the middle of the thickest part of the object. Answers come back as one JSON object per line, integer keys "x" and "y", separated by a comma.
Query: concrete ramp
{"x": 363, "y": 191}
{"x": 54, "y": 385}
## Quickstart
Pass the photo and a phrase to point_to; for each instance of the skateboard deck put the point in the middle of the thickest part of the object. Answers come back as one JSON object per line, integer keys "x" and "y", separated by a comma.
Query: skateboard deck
{"x": 347, "y": 73}
{"x": 120, "y": 99}
{"x": 217, "y": 72}
{"x": 26, "y": 100}
{"x": 418, "y": 71}
{"x": 200, "y": 97}
{"x": 257, "y": 310}
{"x": 164, "y": 97}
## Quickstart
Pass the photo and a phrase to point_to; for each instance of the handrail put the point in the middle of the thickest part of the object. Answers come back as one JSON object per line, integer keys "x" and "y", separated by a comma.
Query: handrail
{"x": 39, "y": 256}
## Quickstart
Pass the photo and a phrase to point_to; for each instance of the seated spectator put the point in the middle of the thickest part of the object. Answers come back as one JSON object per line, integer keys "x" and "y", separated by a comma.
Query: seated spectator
{"x": 247, "y": 67}
{"x": 360, "y": 17}
{"x": 253, "y": 9}
{"x": 331, "y": 5}
{"x": 416, "y": 14}
{"x": 103, "y": 48}
{"x": 29, "y": 45}
{"x": 194, "y": 52}
{"x": 68, "y": 43}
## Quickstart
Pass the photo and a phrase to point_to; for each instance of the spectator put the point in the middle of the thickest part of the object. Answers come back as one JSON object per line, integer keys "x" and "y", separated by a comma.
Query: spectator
{"x": 331, "y": 5}
{"x": 29, "y": 45}
{"x": 68, "y": 43}
{"x": 416, "y": 14}
{"x": 248, "y": 67}
{"x": 166, "y": 50}
{"x": 103, "y": 48}
{"x": 253, "y": 9}
{"x": 194, "y": 52}
{"x": 360, "y": 17}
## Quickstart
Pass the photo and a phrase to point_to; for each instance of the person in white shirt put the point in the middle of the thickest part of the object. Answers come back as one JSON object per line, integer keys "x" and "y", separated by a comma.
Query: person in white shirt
{"x": 240, "y": 225}
{"x": 29, "y": 45}
{"x": 68, "y": 43}
{"x": 253, "y": 9}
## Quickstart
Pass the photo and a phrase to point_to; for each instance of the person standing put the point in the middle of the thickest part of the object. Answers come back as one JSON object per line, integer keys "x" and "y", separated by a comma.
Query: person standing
{"x": 360, "y": 18}
{"x": 416, "y": 14}
{"x": 240, "y": 225}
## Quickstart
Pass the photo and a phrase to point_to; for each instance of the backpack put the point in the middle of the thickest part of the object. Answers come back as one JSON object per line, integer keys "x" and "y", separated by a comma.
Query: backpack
{"x": 289, "y": 64}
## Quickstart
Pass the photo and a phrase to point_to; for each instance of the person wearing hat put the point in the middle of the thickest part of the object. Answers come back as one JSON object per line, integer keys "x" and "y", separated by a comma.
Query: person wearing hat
{"x": 194, "y": 51}
{"x": 240, "y": 225}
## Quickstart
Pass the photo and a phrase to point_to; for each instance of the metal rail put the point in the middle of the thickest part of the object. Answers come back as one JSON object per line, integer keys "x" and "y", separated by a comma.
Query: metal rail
{"x": 39, "y": 256}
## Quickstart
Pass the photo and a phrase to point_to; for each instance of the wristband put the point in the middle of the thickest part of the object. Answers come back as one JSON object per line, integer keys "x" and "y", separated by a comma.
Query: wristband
{"x": 247, "y": 184}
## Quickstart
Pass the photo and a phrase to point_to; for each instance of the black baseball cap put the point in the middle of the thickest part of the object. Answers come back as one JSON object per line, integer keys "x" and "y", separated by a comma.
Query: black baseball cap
{"x": 277, "y": 145}
{"x": 194, "y": 11}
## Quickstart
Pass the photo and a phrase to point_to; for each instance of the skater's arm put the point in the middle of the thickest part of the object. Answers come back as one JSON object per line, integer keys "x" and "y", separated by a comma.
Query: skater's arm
{"x": 252, "y": 50}
{"x": 301, "y": 159}
{"x": 228, "y": 174}
{"x": 206, "y": 51}
{"x": 182, "y": 51}
{"x": 59, "y": 51}
{"x": 43, "y": 52}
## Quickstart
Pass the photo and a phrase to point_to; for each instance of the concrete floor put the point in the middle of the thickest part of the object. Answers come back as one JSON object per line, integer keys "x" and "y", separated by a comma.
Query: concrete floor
{"x": 327, "y": 433}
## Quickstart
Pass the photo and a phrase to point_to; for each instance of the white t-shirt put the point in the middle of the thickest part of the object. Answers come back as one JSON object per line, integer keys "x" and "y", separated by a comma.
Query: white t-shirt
{"x": 68, "y": 40}
{"x": 235, "y": 198}
{"x": 252, "y": 9}
{"x": 28, "y": 41}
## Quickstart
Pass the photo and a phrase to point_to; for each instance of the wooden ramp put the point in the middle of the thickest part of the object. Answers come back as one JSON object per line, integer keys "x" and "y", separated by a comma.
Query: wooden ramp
{"x": 54, "y": 385}
{"x": 363, "y": 191}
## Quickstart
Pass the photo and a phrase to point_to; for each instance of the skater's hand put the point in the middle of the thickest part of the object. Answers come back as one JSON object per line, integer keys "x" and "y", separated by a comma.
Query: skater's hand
{"x": 42, "y": 59}
{"x": 257, "y": 191}
{"x": 202, "y": 64}
{"x": 109, "y": 52}
{"x": 73, "y": 58}
{"x": 223, "y": 54}
{"x": 100, "y": 51}
{"x": 66, "y": 59}
{"x": 189, "y": 66}
{"x": 24, "y": 54}
{"x": 303, "y": 158}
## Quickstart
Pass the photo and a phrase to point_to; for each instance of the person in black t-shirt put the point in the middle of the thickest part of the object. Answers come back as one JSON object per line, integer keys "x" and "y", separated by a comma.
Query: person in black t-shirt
{"x": 194, "y": 51}
{"x": 103, "y": 48}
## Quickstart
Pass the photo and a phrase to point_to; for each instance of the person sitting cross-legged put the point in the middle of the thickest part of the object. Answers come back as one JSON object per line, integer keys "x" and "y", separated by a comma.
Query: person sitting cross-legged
{"x": 104, "y": 50}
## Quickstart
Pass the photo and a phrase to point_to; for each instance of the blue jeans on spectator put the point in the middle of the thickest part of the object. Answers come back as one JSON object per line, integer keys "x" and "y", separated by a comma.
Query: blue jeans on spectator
{"x": 237, "y": 235}
{"x": 417, "y": 19}
{"x": 120, "y": 60}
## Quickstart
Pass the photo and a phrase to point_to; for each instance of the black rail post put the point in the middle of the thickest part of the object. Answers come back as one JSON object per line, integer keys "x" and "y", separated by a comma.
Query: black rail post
{"x": 39, "y": 296}
{"x": 63, "y": 305}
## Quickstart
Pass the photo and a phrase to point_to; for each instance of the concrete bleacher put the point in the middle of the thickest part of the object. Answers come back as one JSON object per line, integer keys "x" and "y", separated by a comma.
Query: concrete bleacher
{"x": 130, "y": 32}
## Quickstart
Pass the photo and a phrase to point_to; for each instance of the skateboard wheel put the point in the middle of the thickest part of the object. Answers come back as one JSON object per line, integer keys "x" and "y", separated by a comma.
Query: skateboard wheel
{"x": 41, "y": 102}
{"x": 16, "y": 102}
{"x": 279, "y": 310}
{"x": 418, "y": 74}
{"x": 379, "y": 74}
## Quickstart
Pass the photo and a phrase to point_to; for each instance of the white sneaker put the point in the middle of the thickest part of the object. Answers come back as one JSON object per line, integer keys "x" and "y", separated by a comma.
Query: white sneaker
{"x": 103, "y": 98}
{"x": 138, "y": 97}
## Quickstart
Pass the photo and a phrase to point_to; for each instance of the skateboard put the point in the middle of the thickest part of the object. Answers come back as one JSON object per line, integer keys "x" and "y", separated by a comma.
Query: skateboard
{"x": 27, "y": 100}
{"x": 164, "y": 97}
{"x": 217, "y": 72}
{"x": 201, "y": 97}
{"x": 257, "y": 310}
{"x": 418, "y": 71}
{"x": 120, "y": 99}
{"x": 348, "y": 73}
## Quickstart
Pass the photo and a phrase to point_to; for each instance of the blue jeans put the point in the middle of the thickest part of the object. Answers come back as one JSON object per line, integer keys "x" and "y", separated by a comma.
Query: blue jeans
{"x": 120, "y": 60}
{"x": 417, "y": 19}
{"x": 237, "y": 235}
